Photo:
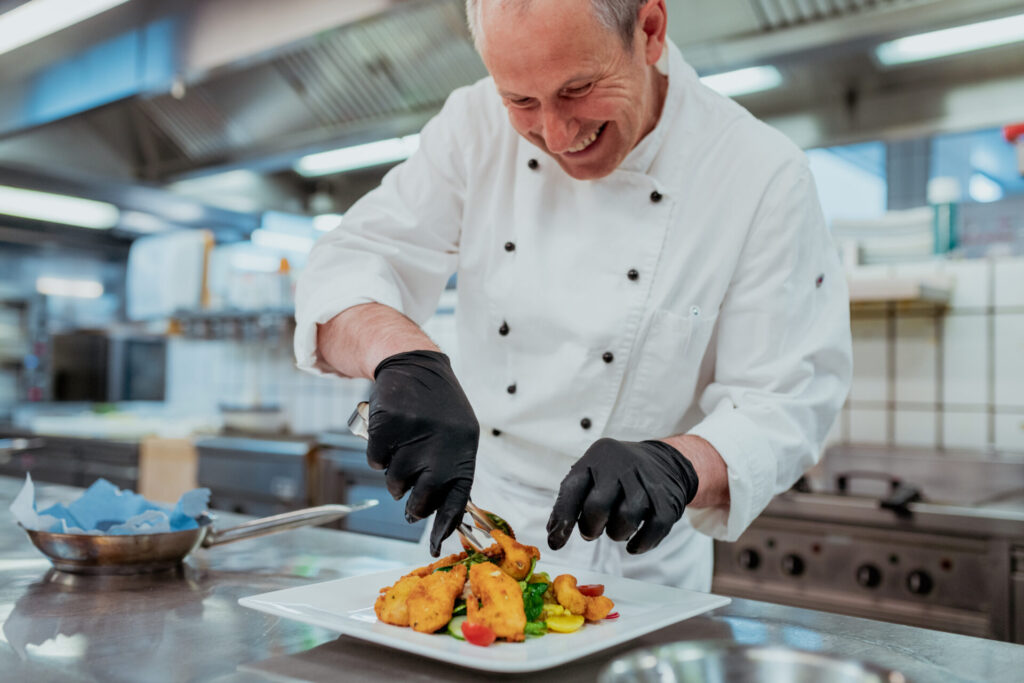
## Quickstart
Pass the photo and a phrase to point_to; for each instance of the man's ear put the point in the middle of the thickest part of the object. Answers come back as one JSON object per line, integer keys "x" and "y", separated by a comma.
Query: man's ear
{"x": 651, "y": 26}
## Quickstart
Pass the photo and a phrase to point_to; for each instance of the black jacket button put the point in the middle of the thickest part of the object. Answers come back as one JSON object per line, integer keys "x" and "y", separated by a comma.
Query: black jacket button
{"x": 510, "y": 246}
{"x": 585, "y": 423}
{"x": 511, "y": 388}
{"x": 656, "y": 196}
{"x": 633, "y": 274}
{"x": 503, "y": 330}
{"x": 607, "y": 357}
{"x": 496, "y": 432}
{"x": 532, "y": 163}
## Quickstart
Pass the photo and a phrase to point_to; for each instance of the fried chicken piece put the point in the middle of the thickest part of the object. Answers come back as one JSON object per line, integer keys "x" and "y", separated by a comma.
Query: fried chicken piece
{"x": 391, "y": 607}
{"x": 567, "y": 594}
{"x": 434, "y": 566}
{"x": 518, "y": 558}
{"x": 431, "y": 600}
{"x": 598, "y": 607}
{"x": 497, "y": 601}
{"x": 492, "y": 551}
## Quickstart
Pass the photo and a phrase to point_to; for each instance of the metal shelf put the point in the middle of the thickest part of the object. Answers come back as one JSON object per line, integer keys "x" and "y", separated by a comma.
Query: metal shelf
{"x": 263, "y": 324}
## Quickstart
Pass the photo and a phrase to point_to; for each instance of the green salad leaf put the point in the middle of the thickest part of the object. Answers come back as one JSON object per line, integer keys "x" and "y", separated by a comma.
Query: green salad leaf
{"x": 533, "y": 600}
{"x": 500, "y": 523}
{"x": 535, "y": 628}
{"x": 533, "y": 565}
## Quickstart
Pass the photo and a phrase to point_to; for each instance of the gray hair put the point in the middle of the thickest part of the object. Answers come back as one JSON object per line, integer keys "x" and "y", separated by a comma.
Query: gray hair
{"x": 615, "y": 15}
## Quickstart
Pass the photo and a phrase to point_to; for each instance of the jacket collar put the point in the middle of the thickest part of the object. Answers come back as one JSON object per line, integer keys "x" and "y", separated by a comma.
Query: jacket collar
{"x": 641, "y": 158}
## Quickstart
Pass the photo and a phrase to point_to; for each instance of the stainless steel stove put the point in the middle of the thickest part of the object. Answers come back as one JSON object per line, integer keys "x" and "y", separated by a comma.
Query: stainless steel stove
{"x": 913, "y": 537}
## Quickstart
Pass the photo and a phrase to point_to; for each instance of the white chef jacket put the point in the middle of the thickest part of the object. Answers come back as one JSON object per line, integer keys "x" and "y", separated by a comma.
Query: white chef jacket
{"x": 694, "y": 290}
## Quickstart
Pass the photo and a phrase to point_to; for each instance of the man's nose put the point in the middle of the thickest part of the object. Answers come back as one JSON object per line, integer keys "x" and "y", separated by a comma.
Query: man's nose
{"x": 560, "y": 130}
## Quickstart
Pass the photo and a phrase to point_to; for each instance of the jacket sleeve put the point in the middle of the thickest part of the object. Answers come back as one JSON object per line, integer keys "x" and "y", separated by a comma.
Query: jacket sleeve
{"x": 398, "y": 245}
{"x": 783, "y": 361}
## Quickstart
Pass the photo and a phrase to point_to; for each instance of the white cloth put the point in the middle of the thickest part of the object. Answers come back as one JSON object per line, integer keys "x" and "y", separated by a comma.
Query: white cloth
{"x": 736, "y": 327}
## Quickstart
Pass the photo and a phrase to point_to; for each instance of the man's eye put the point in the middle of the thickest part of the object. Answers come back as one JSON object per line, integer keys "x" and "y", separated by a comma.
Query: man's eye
{"x": 580, "y": 90}
{"x": 521, "y": 102}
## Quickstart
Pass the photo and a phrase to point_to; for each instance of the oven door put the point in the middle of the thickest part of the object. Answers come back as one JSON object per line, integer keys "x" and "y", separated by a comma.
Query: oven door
{"x": 92, "y": 366}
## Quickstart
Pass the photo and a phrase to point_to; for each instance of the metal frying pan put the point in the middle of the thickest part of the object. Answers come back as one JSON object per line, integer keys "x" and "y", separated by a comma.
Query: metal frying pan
{"x": 140, "y": 553}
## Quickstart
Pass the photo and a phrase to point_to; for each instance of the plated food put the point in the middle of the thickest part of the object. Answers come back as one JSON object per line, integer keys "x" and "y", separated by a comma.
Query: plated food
{"x": 496, "y": 594}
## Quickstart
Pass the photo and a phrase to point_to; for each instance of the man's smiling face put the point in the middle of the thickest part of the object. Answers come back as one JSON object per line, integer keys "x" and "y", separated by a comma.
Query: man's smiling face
{"x": 570, "y": 85}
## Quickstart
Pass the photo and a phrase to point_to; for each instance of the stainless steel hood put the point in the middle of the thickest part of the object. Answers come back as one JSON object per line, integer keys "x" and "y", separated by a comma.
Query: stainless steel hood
{"x": 375, "y": 78}
{"x": 223, "y": 84}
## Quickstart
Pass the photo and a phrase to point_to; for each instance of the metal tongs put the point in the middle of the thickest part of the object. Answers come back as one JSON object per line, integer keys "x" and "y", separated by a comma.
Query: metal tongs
{"x": 359, "y": 424}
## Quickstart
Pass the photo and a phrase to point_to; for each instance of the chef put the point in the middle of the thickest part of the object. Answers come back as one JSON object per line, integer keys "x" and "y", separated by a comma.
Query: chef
{"x": 652, "y": 323}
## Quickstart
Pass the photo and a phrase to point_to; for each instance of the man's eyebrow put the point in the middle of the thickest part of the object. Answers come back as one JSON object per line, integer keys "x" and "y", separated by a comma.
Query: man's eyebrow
{"x": 575, "y": 79}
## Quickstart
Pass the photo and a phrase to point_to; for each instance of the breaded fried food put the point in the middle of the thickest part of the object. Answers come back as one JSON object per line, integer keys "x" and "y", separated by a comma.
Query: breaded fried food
{"x": 434, "y": 566}
{"x": 391, "y": 607}
{"x": 432, "y": 599}
{"x": 598, "y": 607}
{"x": 497, "y": 601}
{"x": 568, "y": 596}
{"x": 518, "y": 558}
{"x": 493, "y": 551}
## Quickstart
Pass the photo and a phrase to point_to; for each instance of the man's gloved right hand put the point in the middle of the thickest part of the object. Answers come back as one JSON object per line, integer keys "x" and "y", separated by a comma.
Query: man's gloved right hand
{"x": 424, "y": 433}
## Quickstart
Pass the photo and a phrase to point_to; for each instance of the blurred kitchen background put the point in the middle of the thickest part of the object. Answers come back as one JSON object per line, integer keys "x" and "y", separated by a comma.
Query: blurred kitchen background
{"x": 166, "y": 165}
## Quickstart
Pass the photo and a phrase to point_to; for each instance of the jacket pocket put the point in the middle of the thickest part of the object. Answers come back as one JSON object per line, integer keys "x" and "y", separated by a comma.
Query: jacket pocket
{"x": 666, "y": 369}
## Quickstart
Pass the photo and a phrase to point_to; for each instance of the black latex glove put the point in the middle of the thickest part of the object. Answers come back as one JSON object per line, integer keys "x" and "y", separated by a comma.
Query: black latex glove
{"x": 424, "y": 433}
{"x": 616, "y": 486}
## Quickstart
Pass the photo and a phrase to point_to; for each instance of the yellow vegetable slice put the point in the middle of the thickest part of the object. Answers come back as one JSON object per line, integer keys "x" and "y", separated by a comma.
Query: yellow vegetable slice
{"x": 548, "y": 611}
{"x": 565, "y": 624}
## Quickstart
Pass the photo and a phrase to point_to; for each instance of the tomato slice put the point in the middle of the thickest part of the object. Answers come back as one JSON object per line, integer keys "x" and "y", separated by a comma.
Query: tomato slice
{"x": 612, "y": 615}
{"x": 478, "y": 634}
{"x": 591, "y": 590}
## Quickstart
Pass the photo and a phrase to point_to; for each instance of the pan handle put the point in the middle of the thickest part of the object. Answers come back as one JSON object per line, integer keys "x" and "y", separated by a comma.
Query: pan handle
{"x": 282, "y": 522}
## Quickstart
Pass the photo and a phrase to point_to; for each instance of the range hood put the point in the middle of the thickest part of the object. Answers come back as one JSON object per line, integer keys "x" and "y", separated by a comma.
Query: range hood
{"x": 174, "y": 105}
{"x": 221, "y": 84}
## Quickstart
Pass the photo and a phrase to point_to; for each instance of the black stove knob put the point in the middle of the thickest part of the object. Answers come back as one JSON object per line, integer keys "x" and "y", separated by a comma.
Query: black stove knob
{"x": 868, "y": 576}
{"x": 793, "y": 565}
{"x": 919, "y": 582}
{"x": 749, "y": 559}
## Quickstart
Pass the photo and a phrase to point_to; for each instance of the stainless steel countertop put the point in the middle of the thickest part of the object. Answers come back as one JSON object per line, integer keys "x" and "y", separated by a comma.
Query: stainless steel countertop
{"x": 188, "y": 625}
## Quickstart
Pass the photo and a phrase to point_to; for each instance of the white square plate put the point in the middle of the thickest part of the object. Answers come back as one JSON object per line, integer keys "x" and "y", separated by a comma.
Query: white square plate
{"x": 346, "y": 606}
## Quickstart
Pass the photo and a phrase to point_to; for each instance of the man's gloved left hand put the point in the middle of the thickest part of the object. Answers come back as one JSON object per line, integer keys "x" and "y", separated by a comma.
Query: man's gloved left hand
{"x": 617, "y": 486}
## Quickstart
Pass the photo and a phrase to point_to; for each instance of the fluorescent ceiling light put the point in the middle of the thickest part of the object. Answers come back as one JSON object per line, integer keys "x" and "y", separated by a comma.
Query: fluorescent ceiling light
{"x": 326, "y": 222}
{"x": 744, "y": 81}
{"x": 37, "y": 18}
{"x": 952, "y": 41}
{"x": 142, "y": 223}
{"x": 282, "y": 241}
{"x": 82, "y": 289}
{"x": 57, "y": 208}
{"x": 359, "y": 156}
{"x": 981, "y": 188}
